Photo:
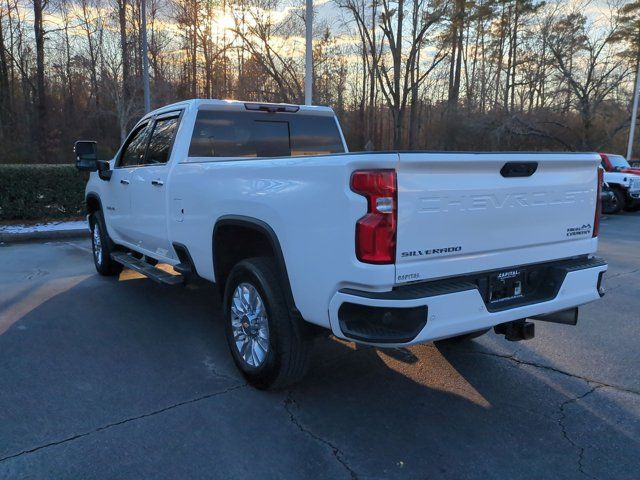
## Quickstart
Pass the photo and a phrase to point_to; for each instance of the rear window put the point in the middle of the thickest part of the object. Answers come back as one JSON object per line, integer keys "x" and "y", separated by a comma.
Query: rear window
{"x": 258, "y": 134}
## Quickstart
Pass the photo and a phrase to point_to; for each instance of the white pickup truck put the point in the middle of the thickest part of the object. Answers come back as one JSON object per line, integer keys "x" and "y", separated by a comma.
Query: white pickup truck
{"x": 385, "y": 248}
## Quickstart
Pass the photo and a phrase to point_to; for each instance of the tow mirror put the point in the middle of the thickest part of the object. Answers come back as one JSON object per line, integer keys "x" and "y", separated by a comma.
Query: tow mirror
{"x": 86, "y": 152}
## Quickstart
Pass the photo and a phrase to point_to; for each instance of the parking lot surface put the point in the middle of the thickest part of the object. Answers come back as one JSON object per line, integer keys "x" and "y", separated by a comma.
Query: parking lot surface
{"x": 124, "y": 378}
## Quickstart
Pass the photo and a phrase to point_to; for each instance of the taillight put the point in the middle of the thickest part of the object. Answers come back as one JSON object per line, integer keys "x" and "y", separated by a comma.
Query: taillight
{"x": 376, "y": 231}
{"x": 596, "y": 220}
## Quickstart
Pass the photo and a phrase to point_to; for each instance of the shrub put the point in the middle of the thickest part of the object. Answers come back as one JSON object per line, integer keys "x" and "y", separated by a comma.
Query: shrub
{"x": 39, "y": 192}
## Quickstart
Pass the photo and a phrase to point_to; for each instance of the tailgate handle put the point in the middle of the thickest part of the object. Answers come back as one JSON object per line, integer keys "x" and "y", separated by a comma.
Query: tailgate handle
{"x": 519, "y": 169}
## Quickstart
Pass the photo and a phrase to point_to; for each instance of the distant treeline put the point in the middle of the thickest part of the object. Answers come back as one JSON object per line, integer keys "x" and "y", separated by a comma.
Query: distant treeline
{"x": 404, "y": 74}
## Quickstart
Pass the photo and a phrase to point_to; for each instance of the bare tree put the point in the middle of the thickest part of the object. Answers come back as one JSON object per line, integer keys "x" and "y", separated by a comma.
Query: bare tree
{"x": 594, "y": 76}
{"x": 40, "y": 132}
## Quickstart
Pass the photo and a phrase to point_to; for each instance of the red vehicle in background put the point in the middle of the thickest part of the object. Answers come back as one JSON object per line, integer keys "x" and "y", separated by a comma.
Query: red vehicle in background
{"x": 624, "y": 181}
{"x": 617, "y": 163}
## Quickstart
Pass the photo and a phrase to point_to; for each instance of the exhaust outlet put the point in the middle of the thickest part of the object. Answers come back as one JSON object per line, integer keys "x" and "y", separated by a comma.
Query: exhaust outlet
{"x": 565, "y": 317}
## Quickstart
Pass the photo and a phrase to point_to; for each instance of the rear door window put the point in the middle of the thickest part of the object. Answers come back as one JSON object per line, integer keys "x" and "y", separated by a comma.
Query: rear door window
{"x": 258, "y": 134}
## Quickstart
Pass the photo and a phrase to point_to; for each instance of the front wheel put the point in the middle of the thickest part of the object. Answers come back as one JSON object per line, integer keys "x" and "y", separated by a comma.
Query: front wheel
{"x": 102, "y": 246}
{"x": 613, "y": 206}
{"x": 269, "y": 346}
{"x": 620, "y": 200}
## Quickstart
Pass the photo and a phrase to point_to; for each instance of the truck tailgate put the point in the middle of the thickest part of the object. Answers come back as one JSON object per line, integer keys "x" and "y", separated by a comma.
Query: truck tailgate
{"x": 457, "y": 213}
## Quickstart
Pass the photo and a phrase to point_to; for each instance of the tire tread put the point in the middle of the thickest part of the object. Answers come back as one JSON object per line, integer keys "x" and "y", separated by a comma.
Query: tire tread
{"x": 293, "y": 342}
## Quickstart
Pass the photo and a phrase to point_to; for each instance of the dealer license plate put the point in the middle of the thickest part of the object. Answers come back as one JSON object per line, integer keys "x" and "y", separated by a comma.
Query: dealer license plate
{"x": 507, "y": 285}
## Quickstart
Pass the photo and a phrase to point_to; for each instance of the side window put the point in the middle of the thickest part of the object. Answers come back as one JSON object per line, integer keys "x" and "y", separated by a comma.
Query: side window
{"x": 133, "y": 152}
{"x": 164, "y": 132}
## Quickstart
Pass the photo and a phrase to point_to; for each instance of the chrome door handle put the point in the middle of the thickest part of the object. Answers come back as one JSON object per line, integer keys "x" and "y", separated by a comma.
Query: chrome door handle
{"x": 157, "y": 183}
{"x": 124, "y": 182}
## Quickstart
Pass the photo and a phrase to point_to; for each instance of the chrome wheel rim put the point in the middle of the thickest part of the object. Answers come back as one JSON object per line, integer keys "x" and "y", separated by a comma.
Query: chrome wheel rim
{"x": 97, "y": 244}
{"x": 250, "y": 325}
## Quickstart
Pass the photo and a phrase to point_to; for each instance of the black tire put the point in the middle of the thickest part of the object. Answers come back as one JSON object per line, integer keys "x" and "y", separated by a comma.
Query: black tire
{"x": 463, "y": 338}
{"x": 287, "y": 356}
{"x": 102, "y": 246}
{"x": 621, "y": 199}
{"x": 613, "y": 206}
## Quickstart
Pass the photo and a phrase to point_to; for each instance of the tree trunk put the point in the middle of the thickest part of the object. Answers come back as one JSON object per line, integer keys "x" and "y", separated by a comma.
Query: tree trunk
{"x": 5, "y": 96}
{"x": 126, "y": 69}
{"x": 514, "y": 48}
{"x": 41, "y": 105}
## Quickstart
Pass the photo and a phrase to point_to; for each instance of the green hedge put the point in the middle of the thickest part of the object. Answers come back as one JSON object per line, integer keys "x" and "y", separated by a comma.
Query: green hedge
{"x": 39, "y": 192}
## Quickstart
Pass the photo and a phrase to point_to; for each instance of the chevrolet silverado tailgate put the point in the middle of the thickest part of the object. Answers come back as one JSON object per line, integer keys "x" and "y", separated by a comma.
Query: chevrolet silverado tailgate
{"x": 469, "y": 212}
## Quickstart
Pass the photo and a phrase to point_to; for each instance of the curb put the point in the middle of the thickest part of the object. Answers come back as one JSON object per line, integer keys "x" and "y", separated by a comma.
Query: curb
{"x": 44, "y": 235}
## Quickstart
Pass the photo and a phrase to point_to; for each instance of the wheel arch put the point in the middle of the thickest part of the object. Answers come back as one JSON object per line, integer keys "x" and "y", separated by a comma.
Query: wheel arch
{"x": 263, "y": 231}
{"x": 92, "y": 203}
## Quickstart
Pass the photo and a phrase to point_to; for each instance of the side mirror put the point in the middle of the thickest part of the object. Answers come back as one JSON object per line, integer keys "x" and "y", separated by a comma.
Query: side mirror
{"x": 104, "y": 169}
{"x": 86, "y": 152}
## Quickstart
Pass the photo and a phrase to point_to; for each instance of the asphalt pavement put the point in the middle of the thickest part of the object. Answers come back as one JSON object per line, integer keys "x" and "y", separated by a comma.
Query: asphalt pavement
{"x": 124, "y": 378}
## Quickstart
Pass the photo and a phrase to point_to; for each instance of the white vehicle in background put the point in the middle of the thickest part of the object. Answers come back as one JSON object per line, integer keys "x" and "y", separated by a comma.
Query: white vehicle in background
{"x": 299, "y": 235}
{"x": 624, "y": 181}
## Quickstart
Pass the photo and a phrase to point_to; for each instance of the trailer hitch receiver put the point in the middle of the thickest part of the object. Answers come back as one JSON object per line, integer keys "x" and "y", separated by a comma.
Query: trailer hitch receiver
{"x": 516, "y": 330}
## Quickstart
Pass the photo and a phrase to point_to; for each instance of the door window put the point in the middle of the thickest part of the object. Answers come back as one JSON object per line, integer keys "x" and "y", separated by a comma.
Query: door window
{"x": 133, "y": 152}
{"x": 164, "y": 132}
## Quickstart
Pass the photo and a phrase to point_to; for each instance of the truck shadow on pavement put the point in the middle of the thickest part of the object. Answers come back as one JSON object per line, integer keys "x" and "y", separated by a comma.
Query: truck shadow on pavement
{"x": 135, "y": 379}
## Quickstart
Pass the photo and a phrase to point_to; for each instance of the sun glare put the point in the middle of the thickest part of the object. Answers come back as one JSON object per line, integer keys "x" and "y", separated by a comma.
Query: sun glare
{"x": 224, "y": 22}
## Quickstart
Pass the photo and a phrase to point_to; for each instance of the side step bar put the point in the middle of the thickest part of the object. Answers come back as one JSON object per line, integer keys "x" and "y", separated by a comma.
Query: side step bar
{"x": 147, "y": 270}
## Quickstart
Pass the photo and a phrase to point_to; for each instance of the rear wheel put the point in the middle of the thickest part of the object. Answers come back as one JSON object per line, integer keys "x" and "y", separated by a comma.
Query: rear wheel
{"x": 269, "y": 346}
{"x": 102, "y": 246}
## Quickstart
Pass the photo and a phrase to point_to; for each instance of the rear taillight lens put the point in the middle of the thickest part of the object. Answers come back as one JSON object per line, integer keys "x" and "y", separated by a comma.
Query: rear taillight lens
{"x": 596, "y": 220}
{"x": 376, "y": 231}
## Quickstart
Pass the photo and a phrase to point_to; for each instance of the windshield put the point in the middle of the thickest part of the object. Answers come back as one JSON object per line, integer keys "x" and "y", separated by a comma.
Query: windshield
{"x": 618, "y": 161}
{"x": 260, "y": 134}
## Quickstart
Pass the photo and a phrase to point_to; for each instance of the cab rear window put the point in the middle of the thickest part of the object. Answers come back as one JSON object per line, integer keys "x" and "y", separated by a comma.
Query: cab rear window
{"x": 261, "y": 134}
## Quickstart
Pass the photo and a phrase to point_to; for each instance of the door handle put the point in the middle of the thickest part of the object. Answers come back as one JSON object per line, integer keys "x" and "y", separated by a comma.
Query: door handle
{"x": 124, "y": 182}
{"x": 157, "y": 183}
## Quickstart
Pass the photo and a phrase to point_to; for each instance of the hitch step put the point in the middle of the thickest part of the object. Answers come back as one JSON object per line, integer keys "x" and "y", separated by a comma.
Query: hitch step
{"x": 149, "y": 271}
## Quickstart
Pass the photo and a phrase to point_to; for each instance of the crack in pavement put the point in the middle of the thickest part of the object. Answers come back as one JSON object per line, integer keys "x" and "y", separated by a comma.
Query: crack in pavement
{"x": 595, "y": 385}
{"x": 518, "y": 361}
{"x": 621, "y": 274}
{"x": 337, "y": 453}
{"x": 122, "y": 422}
{"x": 213, "y": 368}
{"x": 566, "y": 436}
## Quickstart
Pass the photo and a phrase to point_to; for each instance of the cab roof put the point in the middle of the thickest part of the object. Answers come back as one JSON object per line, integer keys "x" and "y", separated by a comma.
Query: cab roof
{"x": 216, "y": 104}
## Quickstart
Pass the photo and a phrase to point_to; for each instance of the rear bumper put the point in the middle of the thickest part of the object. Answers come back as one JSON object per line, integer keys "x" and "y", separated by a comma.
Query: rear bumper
{"x": 456, "y": 306}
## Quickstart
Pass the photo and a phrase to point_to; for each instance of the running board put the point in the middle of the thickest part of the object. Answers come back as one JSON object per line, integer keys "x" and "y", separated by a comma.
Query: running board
{"x": 149, "y": 271}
